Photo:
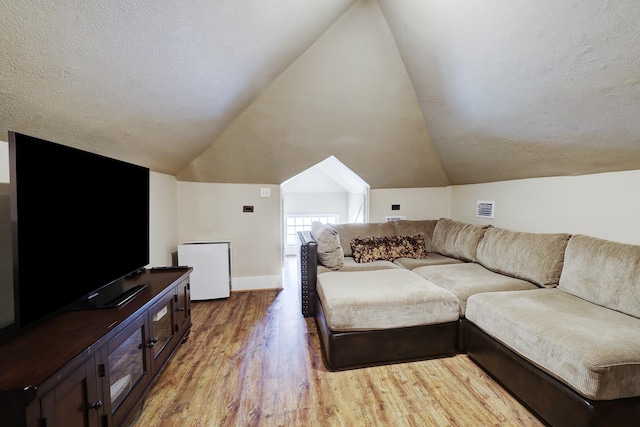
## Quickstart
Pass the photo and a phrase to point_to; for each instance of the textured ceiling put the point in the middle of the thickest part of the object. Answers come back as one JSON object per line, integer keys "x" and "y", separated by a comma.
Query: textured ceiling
{"x": 406, "y": 93}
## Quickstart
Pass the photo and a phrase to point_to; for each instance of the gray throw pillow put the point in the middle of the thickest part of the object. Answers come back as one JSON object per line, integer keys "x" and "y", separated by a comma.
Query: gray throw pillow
{"x": 330, "y": 252}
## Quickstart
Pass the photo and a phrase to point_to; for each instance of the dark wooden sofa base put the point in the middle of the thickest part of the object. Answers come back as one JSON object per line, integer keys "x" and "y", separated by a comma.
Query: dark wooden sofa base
{"x": 356, "y": 349}
{"x": 551, "y": 400}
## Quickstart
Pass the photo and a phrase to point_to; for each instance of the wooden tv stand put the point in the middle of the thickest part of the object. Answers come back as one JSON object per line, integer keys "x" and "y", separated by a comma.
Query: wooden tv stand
{"x": 93, "y": 367}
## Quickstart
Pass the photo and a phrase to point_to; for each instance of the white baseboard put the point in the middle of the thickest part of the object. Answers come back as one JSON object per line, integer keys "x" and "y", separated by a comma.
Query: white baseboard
{"x": 256, "y": 283}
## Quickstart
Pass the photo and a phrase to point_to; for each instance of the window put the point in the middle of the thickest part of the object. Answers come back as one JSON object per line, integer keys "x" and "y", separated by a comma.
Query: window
{"x": 297, "y": 223}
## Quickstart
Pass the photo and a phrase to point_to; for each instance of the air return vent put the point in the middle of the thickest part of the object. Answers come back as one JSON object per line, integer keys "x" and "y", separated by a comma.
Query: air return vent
{"x": 484, "y": 209}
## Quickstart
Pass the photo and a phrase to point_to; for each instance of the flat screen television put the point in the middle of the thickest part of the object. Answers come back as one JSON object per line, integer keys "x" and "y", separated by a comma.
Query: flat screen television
{"x": 80, "y": 224}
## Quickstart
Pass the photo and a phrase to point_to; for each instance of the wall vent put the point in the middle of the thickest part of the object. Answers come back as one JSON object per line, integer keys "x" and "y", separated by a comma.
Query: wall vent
{"x": 485, "y": 209}
{"x": 394, "y": 217}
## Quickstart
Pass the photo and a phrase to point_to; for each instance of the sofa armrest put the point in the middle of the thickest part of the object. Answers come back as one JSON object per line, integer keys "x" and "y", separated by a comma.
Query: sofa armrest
{"x": 308, "y": 270}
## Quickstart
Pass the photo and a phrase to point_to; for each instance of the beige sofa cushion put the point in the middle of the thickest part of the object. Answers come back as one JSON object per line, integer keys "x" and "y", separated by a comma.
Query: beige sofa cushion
{"x": 384, "y": 299}
{"x": 466, "y": 279}
{"x": 351, "y": 265}
{"x": 603, "y": 272}
{"x": 456, "y": 239}
{"x": 432, "y": 259}
{"x": 593, "y": 350}
{"x": 348, "y": 232}
{"x": 424, "y": 228}
{"x": 535, "y": 257}
{"x": 330, "y": 252}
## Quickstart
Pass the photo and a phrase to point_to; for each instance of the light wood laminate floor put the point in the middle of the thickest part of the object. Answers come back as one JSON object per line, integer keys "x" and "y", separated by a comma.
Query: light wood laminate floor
{"x": 253, "y": 360}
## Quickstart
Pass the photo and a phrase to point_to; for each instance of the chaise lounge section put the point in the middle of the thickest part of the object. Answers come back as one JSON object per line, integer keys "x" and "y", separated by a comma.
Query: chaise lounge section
{"x": 383, "y": 316}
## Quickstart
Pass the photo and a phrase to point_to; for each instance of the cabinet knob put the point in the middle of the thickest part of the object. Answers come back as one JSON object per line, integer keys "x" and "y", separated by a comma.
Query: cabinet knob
{"x": 180, "y": 309}
{"x": 152, "y": 342}
{"x": 96, "y": 405}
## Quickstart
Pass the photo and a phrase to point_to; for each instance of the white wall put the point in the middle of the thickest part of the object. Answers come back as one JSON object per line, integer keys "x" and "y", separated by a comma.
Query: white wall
{"x": 357, "y": 207}
{"x": 163, "y": 218}
{"x": 4, "y": 161}
{"x": 415, "y": 203}
{"x": 603, "y": 205}
{"x": 314, "y": 203}
{"x": 214, "y": 212}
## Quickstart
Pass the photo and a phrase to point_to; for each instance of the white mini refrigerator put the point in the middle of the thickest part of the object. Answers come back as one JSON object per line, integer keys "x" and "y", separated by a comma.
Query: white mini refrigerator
{"x": 211, "y": 263}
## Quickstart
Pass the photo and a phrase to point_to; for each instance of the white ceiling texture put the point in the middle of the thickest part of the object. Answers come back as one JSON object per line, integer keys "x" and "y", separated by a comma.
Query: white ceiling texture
{"x": 405, "y": 93}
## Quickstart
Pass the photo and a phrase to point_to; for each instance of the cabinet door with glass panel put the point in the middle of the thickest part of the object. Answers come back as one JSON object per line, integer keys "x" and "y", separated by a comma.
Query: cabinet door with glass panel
{"x": 162, "y": 328}
{"x": 131, "y": 356}
{"x": 127, "y": 369}
{"x": 183, "y": 308}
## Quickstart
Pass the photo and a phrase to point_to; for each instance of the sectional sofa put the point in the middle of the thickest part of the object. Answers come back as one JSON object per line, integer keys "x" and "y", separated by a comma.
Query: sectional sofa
{"x": 554, "y": 318}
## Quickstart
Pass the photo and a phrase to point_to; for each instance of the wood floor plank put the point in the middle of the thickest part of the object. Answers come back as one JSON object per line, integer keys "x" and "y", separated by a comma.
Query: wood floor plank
{"x": 293, "y": 367}
{"x": 253, "y": 360}
{"x": 183, "y": 422}
{"x": 299, "y": 417}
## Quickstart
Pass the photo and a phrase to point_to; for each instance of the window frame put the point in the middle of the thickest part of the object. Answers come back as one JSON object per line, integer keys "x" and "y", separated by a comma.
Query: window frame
{"x": 303, "y": 223}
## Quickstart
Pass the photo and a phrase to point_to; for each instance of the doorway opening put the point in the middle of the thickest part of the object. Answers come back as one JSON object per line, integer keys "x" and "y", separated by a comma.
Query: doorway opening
{"x": 328, "y": 192}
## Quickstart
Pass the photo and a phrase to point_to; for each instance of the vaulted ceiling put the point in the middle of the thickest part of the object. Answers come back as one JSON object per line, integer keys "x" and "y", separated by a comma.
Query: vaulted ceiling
{"x": 406, "y": 93}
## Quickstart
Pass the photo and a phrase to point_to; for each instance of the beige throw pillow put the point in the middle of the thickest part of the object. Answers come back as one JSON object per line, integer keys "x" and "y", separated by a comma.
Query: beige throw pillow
{"x": 330, "y": 252}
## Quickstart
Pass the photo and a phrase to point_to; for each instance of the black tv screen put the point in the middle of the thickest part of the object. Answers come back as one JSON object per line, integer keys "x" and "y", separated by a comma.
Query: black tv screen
{"x": 81, "y": 223}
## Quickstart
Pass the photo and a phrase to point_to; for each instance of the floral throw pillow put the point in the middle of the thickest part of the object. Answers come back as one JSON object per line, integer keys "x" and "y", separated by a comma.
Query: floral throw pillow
{"x": 388, "y": 248}
{"x": 407, "y": 247}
